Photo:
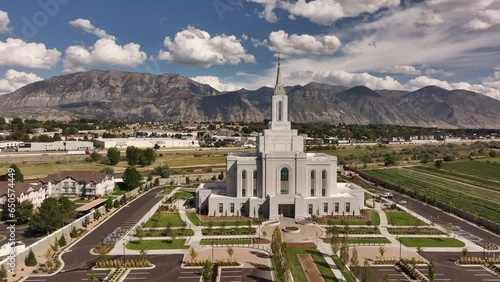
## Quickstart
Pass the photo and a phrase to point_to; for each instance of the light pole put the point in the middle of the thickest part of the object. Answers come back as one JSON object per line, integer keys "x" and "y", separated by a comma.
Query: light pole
{"x": 316, "y": 238}
{"x": 397, "y": 238}
{"x": 123, "y": 252}
{"x": 212, "y": 251}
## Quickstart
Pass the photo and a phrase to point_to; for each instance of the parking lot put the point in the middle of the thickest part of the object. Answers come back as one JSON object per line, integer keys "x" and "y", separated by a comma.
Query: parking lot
{"x": 80, "y": 275}
{"x": 245, "y": 275}
{"x": 392, "y": 273}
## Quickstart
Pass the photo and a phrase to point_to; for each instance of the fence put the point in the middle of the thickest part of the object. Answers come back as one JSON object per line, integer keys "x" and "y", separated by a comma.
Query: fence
{"x": 490, "y": 225}
{"x": 41, "y": 246}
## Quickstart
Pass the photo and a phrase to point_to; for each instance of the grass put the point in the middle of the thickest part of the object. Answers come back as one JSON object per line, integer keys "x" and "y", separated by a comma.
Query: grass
{"x": 182, "y": 194}
{"x": 396, "y": 218}
{"x": 162, "y": 220}
{"x": 347, "y": 274}
{"x": 476, "y": 200}
{"x": 375, "y": 220}
{"x": 157, "y": 244}
{"x": 193, "y": 217}
{"x": 319, "y": 260}
{"x": 430, "y": 242}
{"x": 226, "y": 241}
{"x": 479, "y": 169}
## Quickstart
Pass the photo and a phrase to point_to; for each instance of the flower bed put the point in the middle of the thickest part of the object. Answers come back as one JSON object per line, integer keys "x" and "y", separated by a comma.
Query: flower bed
{"x": 476, "y": 260}
{"x": 116, "y": 263}
{"x": 412, "y": 272}
{"x": 219, "y": 262}
{"x": 228, "y": 231}
{"x": 291, "y": 229}
{"x": 488, "y": 246}
{"x": 356, "y": 230}
{"x": 385, "y": 261}
{"x": 168, "y": 232}
{"x": 415, "y": 231}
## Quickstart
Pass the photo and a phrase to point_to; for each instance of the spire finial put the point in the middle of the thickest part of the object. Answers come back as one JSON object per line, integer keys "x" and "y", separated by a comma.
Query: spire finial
{"x": 278, "y": 76}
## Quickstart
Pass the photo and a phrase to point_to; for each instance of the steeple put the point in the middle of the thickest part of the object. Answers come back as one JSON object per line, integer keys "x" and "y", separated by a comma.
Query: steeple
{"x": 279, "y": 89}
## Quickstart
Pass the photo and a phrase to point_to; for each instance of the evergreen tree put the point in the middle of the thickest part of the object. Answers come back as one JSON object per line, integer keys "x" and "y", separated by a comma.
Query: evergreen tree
{"x": 132, "y": 178}
{"x": 116, "y": 204}
{"x": 3, "y": 273}
{"x": 30, "y": 260}
{"x": 354, "y": 262}
{"x": 18, "y": 176}
{"x": 62, "y": 241}
{"x": 206, "y": 275}
{"x": 109, "y": 204}
{"x": 74, "y": 232}
{"x": 113, "y": 155}
{"x": 24, "y": 211}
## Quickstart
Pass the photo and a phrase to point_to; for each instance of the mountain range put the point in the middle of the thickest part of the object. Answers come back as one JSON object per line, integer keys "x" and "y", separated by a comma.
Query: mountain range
{"x": 172, "y": 97}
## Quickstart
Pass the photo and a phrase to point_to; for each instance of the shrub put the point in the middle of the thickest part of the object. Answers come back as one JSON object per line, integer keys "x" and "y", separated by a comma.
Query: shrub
{"x": 30, "y": 260}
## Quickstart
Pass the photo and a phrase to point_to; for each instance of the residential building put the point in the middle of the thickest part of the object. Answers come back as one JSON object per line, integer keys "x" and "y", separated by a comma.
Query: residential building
{"x": 87, "y": 184}
{"x": 24, "y": 191}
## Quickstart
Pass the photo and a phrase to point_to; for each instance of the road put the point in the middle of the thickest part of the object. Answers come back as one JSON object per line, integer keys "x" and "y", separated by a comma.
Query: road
{"x": 78, "y": 260}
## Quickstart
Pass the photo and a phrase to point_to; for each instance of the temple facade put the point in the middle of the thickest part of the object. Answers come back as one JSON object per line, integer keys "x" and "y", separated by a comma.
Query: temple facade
{"x": 280, "y": 179}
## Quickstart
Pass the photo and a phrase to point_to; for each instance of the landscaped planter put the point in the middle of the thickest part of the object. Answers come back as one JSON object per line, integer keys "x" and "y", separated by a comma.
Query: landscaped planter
{"x": 291, "y": 229}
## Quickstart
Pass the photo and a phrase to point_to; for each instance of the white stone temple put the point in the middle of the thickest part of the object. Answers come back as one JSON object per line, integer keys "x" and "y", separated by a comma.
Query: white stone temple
{"x": 280, "y": 179}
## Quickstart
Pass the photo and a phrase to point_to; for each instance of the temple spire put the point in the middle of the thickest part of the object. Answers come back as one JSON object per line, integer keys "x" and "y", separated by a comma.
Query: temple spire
{"x": 278, "y": 76}
{"x": 279, "y": 89}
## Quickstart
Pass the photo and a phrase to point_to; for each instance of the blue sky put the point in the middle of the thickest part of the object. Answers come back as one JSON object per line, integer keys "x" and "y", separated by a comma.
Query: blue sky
{"x": 229, "y": 44}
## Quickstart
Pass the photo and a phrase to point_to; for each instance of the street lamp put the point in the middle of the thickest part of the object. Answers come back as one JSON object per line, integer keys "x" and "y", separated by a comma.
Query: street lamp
{"x": 124, "y": 252}
{"x": 397, "y": 238}
{"x": 212, "y": 251}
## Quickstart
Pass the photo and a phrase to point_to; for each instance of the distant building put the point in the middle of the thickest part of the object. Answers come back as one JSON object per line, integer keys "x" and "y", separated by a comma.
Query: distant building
{"x": 146, "y": 142}
{"x": 87, "y": 184}
{"x": 24, "y": 191}
{"x": 37, "y": 130}
{"x": 55, "y": 146}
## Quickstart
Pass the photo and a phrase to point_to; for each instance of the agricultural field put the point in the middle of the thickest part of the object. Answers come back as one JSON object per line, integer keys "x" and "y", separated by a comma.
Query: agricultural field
{"x": 474, "y": 199}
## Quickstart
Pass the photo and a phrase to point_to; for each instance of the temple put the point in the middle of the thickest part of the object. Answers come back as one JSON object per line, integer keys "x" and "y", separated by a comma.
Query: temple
{"x": 280, "y": 179}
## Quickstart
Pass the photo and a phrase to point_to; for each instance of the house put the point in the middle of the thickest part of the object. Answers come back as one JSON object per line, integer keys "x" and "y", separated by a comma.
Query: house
{"x": 87, "y": 184}
{"x": 280, "y": 179}
{"x": 24, "y": 191}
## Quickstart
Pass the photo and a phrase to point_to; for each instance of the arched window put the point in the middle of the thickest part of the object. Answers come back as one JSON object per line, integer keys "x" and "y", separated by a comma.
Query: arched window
{"x": 284, "y": 181}
{"x": 323, "y": 183}
{"x": 280, "y": 110}
{"x": 244, "y": 183}
{"x": 254, "y": 183}
{"x": 313, "y": 182}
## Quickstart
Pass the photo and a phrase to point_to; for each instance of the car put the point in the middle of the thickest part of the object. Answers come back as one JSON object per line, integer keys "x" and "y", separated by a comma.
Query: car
{"x": 387, "y": 195}
{"x": 403, "y": 202}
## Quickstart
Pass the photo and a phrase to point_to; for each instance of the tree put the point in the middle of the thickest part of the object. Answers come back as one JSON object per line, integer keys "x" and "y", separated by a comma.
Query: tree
{"x": 48, "y": 217}
{"x": 102, "y": 251}
{"x": 109, "y": 204}
{"x": 156, "y": 147}
{"x": 132, "y": 178}
{"x": 390, "y": 160}
{"x": 493, "y": 154}
{"x": 432, "y": 271}
{"x": 3, "y": 273}
{"x": 344, "y": 250}
{"x": 193, "y": 254}
{"x": 133, "y": 155}
{"x": 465, "y": 251}
{"x": 354, "y": 262}
{"x": 367, "y": 276}
{"x": 108, "y": 170}
{"x": 230, "y": 252}
{"x": 95, "y": 156}
{"x": 221, "y": 175}
{"x": 381, "y": 251}
{"x": 92, "y": 277}
{"x": 30, "y": 260}
{"x": 438, "y": 164}
{"x": 278, "y": 249}
{"x": 62, "y": 241}
{"x": 206, "y": 274}
{"x": 335, "y": 240}
{"x": 66, "y": 207}
{"x": 420, "y": 250}
{"x": 148, "y": 157}
{"x": 74, "y": 233}
{"x": 68, "y": 131}
{"x": 24, "y": 211}
{"x": 188, "y": 181}
{"x": 113, "y": 155}
{"x": 18, "y": 176}
{"x": 116, "y": 204}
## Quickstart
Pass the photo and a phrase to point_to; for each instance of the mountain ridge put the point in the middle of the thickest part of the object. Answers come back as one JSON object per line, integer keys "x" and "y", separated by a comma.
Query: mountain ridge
{"x": 172, "y": 97}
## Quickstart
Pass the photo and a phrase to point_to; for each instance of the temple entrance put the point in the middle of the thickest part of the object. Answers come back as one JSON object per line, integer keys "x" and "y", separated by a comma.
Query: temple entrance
{"x": 287, "y": 210}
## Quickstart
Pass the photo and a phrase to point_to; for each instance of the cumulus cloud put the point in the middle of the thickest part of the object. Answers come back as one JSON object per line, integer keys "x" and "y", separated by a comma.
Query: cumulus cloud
{"x": 344, "y": 78}
{"x": 458, "y": 5}
{"x": 87, "y": 26}
{"x": 400, "y": 69}
{"x": 216, "y": 83}
{"x": 429, "y": 19}
{"x": 16, "y": 52}
{"x": 193, "y": 46}
{"x": 322, "y": 12}
{"x": 423, "y": 81}
{"x": 485, "y": 20}
{"x": 493, "y": 80}
{"x": 14, "y": 80}
{"x": 303, "y": 44}
{"x": 105, "y": 51}
{"x": 431, "y": 71}
{"x": 4, "y": 22}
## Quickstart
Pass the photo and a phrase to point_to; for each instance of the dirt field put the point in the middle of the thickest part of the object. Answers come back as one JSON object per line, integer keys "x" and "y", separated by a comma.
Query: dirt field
{"x": 309, "y": 267}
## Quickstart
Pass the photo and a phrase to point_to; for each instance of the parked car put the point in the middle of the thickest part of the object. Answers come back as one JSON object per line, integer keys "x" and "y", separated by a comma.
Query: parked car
{"x": 387, "y": 195}
{"x": 403, "y": 202}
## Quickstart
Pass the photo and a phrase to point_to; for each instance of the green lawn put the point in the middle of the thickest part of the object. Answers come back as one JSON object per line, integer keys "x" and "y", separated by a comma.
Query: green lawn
{"x": 162, "y": 220}
{"x": 296, "y": 268}
{"x": 182, "y": 194}
{"x": 347, "y": 274}
{"x": 375, "y": 218}
{"x": 403, "y": 219}
{"x": 158, "y": 244}
{"x": 430, "y": 242}
{"x": 226, "y": 241}
{"x": 193, "y": 217}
